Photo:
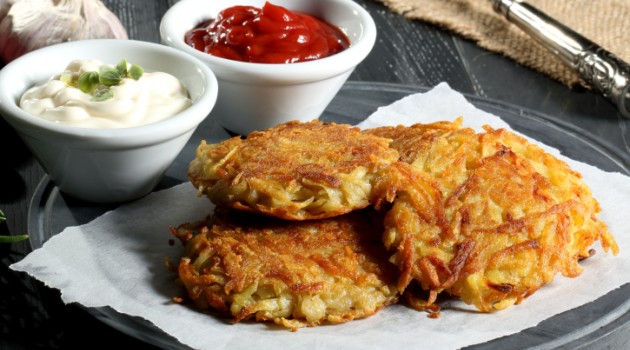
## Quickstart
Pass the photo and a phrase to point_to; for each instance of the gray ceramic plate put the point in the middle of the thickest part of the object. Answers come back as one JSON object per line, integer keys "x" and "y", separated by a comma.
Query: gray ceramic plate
{"x": 596, "y": 325}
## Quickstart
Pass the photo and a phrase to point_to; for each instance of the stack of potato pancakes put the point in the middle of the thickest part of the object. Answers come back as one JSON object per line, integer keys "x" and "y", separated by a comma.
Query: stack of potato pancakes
{"x": 321, "y": 222}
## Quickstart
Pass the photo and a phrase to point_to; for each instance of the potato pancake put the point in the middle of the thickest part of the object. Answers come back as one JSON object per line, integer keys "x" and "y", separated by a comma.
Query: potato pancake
{"x": 491, "y": 219}
{"x": 294, "y": 273}
{"x": 294, "y": 171}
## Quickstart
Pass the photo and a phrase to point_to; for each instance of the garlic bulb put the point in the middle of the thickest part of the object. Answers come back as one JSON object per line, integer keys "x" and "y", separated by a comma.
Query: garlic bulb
{"x": 26, "y": 25}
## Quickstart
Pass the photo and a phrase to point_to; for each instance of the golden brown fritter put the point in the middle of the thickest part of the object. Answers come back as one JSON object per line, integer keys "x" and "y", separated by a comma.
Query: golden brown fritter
{"x": 443, "y": 149}
{"x": 294, "y": 273}
{"x": 492, "y": 219}
{"x": 293, "y": 171}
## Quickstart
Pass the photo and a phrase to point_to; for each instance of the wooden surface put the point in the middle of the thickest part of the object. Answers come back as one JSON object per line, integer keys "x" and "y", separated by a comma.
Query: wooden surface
{"x": 33, "y": 316}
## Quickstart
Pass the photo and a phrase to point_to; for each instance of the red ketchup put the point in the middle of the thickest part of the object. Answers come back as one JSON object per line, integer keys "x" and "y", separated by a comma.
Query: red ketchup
{"x": 272, "y": 34}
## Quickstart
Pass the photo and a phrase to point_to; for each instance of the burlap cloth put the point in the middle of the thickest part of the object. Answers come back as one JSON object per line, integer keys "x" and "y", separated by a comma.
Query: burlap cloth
{"x": 605, "y": 22}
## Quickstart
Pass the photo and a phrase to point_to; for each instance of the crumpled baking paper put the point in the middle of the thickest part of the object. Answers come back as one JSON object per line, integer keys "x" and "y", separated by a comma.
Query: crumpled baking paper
{"x": 117, "y": 260}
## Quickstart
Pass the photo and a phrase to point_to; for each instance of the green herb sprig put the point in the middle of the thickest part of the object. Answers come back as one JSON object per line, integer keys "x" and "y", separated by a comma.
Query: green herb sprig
{"x": 10, "y": 239}
{"x": 99, "y": 84}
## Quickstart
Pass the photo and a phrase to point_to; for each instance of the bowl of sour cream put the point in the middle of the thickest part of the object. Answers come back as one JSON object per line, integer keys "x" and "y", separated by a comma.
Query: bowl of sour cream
{"x": 105, "y": 118}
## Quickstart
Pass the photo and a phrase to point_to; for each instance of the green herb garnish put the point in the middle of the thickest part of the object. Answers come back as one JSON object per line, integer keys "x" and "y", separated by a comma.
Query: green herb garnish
{"x": 10, "y": 239}
{"x": 122, "y": 67}
{"x": 102, "y": 95}
{"x": 88, "y": 81}
{"x": 135, "y": 72}
{"x": 98, "y": 83}
{"x": 109, "y": 76}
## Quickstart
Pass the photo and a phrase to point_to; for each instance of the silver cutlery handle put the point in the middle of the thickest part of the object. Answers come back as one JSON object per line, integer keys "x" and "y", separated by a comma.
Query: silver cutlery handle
{"x": 601, "y": 69}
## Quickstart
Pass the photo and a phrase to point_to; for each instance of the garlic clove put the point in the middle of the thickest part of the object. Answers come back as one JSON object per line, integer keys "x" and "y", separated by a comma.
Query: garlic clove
{"x": 26, "y": 25}
{"x": 109, "y": 26}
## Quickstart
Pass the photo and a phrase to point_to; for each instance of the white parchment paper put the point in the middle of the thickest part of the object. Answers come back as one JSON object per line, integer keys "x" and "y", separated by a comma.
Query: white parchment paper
{"x": 117, "y": 261}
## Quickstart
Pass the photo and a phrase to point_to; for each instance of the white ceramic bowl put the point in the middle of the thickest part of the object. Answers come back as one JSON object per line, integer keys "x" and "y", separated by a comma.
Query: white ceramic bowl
{"x": 106, "y": 165}
{"x": 255, "y": 96}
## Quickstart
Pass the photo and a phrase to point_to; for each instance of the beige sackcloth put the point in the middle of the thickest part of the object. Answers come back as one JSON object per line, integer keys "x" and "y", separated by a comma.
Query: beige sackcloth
{"x": 605, "y": 22}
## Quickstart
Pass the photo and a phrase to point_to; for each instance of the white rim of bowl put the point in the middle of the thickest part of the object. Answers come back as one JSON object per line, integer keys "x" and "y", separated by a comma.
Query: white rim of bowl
{"x": 178, "y": 124}
{"x": 293, "y": 72}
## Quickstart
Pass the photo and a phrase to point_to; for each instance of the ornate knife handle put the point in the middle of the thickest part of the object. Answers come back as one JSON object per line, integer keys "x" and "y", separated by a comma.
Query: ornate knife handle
{"x": 601, "y": 69}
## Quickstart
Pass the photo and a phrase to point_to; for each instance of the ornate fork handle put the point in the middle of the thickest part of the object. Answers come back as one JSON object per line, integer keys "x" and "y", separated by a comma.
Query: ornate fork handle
{"x": 604, "y": 71}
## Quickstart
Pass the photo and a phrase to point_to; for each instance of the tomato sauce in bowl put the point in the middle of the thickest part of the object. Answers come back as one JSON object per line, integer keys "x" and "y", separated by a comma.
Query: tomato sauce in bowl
{"x": 271, "y": 34}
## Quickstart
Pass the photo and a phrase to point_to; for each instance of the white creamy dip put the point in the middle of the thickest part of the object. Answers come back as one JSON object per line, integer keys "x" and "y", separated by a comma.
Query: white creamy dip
{"x": 153, "y": 97}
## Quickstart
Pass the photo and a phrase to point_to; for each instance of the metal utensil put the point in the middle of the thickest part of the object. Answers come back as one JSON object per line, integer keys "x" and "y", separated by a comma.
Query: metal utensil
{"x": 604, "y": 71}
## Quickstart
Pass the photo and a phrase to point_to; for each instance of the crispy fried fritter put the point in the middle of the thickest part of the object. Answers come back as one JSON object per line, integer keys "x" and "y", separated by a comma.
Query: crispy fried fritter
{"x": 491, "y": 219}
{"x": 443, "y": 149}
{"x": 293, "y": 171}
{"x": 294, "y": 273}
